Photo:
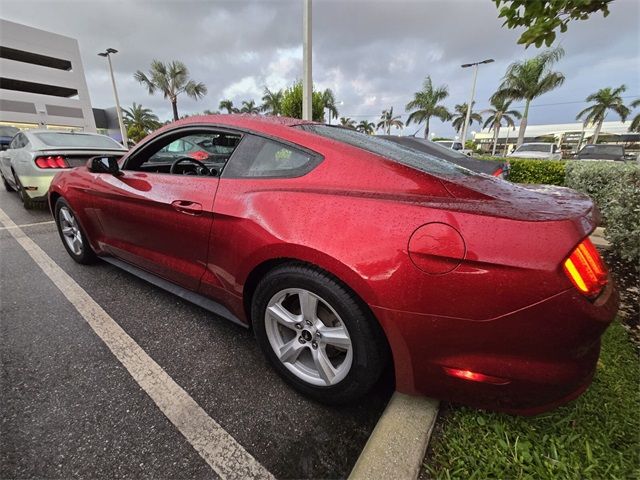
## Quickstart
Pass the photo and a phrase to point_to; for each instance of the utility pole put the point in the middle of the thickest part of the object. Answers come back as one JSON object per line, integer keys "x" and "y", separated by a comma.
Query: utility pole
{"x": 473, "y": 94}
{"x": 123, "y": 130}
{"x": 307, "y": 78}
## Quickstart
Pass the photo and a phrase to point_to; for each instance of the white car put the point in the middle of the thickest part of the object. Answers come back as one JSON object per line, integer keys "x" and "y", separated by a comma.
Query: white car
{"x": 457, "y": 146}
{"x": 35, "y": 156}
{"x": 541, "y": 151}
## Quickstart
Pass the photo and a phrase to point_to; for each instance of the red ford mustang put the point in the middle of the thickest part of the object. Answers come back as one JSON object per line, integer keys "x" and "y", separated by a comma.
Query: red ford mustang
{"x": 345, "y": 252}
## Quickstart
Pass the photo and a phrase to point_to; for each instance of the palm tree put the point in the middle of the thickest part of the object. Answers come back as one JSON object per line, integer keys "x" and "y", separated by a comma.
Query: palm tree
{"x": 497, "y": 114}
{"x": 249, "y": 107}
{"x": 228, "y": 106}
{"x": 460, "y": 115}
{"x": 604, "y": 99}
{"x": 140, "y": 117}
{"x": 347, "y": 122}
{"x": 329, "y": 103}
{"x": 529, "y": 79}
{"x": 635, "y": 123}
{"x": 387, "y": 120}
{"x": 272, "y": 102}
{"x": 367, "y": 127}
{"x": 425, "y": 104}
{"x": 171, "y": 79}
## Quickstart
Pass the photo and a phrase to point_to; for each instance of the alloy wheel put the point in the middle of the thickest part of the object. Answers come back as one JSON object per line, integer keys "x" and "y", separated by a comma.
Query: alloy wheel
{"x": 70, "y": 230}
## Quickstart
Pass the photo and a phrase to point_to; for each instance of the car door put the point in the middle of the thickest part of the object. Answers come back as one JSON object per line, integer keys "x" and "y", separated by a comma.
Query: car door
{"x": 154, "y": 219}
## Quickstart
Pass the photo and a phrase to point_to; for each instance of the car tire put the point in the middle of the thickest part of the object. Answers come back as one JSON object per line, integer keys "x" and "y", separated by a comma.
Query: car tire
{"x": 27, "y": 201}
{"x": 73, "y": 237}
{"x": 334, "y": 328}
{"x": 7, "y": 185}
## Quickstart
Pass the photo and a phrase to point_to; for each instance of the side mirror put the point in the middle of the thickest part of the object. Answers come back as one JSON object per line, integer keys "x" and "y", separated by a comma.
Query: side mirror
{"x": 105, "y": 164}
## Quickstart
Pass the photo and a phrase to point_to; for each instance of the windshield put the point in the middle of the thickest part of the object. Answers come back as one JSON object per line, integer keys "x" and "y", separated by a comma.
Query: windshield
{"x": 77, "y": 140}
{"x": 535, "y": 147}
{"x": 603, "y": 149}
{"x": 393, "y": 151}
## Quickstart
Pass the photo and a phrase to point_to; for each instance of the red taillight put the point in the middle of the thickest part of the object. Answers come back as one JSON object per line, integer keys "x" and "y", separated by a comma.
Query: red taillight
{"x": 585, "y": 269}
{"x": 475, "y": 376}
{"x": 199, "y": 155}
{"x": 56, "y": 161}
{"x": 498, "y": 172}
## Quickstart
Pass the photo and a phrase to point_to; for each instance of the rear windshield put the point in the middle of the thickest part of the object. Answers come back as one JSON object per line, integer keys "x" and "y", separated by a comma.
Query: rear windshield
{"x": 535, "y": 147}
{"x": 8, "y": 131}
{"x": 393, "y": 151}
{"x": 76, "y": 140}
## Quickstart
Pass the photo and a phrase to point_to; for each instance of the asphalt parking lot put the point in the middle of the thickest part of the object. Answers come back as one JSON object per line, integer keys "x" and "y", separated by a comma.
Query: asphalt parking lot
{"x": 71, "y": 409}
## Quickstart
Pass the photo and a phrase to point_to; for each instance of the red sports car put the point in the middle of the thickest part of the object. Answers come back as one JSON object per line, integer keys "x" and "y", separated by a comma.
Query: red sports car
{"x": 345, "y": 253}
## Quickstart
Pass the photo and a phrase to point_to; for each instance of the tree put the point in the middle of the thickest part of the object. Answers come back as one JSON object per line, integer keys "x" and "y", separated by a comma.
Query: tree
{"x": 329, "y": 103}
{"x": 228, "y": 106}
{"x": 366, "y": 126}
{"x": 387, "y": 120}
{"x": 139, "y": 121}
{"x": 272, "y": 102}
{"x": 542, "y": 19}
{"x": 460, "y": 115}
{"x": 635, "y": 123}
{"x": 347, "y": 122}
{"x": 425, "y": 104}
{"x": 292, "y": 103}
{"x": 604, "y": 100}
{"x": 529, "y": 79}
{"x": 249, "y": 107}
{"x": 499, "y": 113}
{"x": 171, "y": 79}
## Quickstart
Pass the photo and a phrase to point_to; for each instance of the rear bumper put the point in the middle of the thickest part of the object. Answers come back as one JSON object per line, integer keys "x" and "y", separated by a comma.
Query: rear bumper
{"x": 37, "y": 186}
{"x": 537, "y": 358}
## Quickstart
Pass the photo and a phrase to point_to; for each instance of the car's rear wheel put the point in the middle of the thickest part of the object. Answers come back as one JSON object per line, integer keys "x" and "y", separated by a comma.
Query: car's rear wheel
{"x": 26, "y": 200}
{"x": 73, "y": 237}
{"x": 317, "y": 334}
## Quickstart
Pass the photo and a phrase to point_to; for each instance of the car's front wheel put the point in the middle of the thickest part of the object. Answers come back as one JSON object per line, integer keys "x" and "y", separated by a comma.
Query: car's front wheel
{"x": 7, "y": 185}
{"x": 317, "y": 334}
{"x": 73, "y": 237}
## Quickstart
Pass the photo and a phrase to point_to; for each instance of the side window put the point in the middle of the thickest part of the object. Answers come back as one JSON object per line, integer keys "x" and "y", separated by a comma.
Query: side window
{"x": 211, "y": 148}
{"x": 261, "y": 157}
{"x": 18, "y": 141}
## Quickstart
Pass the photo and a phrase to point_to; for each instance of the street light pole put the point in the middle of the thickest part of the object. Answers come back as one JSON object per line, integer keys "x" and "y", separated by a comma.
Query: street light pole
{"x": 307, "y": 81}
{"x": 473, "y": 94}
{"x": 123, "y": 130}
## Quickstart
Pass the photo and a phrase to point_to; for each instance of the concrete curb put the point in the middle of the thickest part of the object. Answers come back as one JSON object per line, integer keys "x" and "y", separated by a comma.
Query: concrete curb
{"x": 397, "y": 445}
{"x": 597, "y": 237}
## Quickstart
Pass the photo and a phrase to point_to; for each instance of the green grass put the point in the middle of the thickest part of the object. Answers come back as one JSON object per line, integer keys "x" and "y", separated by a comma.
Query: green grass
{"x": 594, "y": 437}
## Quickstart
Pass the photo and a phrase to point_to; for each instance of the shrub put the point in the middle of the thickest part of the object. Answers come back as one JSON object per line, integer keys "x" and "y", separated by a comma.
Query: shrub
{"x": 523, "y": 170}
{"x": 292, "y": 103}
{"x": 615, "y": 188}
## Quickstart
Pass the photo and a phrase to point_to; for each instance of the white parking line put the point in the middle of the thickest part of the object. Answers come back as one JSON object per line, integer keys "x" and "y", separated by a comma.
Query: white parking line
{"x": 27, "y": 225}
{"x": 223, "y": 454}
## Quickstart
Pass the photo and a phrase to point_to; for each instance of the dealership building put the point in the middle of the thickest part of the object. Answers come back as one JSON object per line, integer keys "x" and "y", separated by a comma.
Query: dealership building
{"x": 42, "y": 82}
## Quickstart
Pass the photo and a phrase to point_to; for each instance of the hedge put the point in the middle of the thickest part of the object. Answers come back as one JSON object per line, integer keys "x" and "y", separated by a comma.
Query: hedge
{"x": 613, "y": 186}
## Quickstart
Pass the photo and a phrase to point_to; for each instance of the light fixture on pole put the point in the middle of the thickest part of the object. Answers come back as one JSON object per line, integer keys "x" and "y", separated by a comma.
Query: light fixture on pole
{"x": 473, "y": 93}
{"x": 123, "y": 131}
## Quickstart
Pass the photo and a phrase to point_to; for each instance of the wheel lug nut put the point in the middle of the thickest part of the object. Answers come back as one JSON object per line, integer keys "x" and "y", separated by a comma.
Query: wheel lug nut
{"x": 308, "y": 322}
{"x": 318, "y": 334}
{"x": 298, "y": 326}
{"x": 302, "y": 340}
{"x": 314, "y": 345}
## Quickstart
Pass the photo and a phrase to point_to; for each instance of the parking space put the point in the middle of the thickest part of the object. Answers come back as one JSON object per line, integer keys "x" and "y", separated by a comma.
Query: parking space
{"x": 70, "y": 408}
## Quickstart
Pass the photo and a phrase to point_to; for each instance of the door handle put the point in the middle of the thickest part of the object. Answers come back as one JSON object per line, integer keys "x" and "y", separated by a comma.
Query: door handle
{"x": 187, "y": 207}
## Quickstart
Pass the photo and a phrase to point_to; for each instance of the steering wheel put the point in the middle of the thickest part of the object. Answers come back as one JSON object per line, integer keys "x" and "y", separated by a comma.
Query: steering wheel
{"x": 201, "y": 168}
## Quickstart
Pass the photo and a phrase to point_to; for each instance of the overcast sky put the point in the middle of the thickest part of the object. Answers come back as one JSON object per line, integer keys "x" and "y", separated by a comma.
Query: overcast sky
{"x": 372, "y": 54}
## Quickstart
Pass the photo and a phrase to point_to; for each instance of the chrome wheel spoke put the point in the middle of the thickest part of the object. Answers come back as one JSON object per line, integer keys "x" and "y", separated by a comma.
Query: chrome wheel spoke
{"x": 67, "y": 231}
{"x": 283, "y": 316}
{"x": 336, "y": 336}
{"x": 66, "y": 216}
{"x": 308, "y": 305}
{"x": 77, "y": 245}
{"x": 325, "y": 368}
{"x": 290, "y": 351}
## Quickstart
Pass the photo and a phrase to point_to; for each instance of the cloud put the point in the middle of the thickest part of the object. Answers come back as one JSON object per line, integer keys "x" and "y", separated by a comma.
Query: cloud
{"x": 373, "y": 54}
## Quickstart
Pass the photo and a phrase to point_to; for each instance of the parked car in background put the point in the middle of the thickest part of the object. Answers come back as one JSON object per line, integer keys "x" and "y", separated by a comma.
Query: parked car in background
{"x": 35, "y": 156}
{"x": 601, "y": 152}
{"x": 454, "y": 145}
{"x": 538, "y": 150}
{"x": 6, "y": 134}
{"x": 440, "y": 151}
{"x": 347, "y": 253}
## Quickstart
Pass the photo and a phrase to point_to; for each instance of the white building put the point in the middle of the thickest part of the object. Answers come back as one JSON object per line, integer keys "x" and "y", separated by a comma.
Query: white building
{"x": 42, "y": 81}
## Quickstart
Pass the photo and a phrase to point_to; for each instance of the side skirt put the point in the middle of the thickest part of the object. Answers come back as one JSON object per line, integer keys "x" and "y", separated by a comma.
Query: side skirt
{"x": 188, "y": 295}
